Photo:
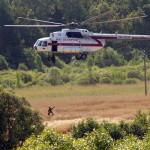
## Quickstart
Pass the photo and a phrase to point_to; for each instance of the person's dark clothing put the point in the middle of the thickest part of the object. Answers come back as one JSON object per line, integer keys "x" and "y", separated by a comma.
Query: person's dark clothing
{"x": 50, "y": 111}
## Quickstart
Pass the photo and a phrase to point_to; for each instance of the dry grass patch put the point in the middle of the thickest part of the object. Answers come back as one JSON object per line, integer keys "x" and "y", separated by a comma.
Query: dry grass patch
{"x": 98, "y": 107}
{"x": 111, "y": 102}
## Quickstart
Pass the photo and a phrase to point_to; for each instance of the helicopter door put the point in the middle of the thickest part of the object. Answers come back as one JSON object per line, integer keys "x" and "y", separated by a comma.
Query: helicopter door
{"x": 54, "y": 46}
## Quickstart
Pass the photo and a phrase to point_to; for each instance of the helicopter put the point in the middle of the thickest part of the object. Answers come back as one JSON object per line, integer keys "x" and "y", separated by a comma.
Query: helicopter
{"x": 73, "y": 40}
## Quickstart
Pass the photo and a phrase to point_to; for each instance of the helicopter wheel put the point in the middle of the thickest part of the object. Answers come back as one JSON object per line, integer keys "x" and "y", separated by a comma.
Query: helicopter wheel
{"x": 78, "y": 57}
{"x": 49, "y": 58}
{"x": 53, "y": 58}
{"x": 84, "y": 56}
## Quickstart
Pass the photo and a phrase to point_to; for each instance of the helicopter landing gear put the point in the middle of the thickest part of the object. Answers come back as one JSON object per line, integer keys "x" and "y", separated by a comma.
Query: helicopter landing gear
{"x": 81, "y": 56}
{"x": 52, "y": 58}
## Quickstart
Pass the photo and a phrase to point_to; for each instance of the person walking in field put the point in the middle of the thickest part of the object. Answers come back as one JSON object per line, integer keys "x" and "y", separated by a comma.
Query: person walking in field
{"x": 50, "y": 111}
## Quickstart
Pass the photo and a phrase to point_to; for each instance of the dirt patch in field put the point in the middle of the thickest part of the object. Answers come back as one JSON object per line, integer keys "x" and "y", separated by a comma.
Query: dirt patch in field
{"x": 68, "y": 110}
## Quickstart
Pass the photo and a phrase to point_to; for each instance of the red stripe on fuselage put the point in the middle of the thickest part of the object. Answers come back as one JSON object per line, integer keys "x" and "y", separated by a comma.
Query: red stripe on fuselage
{"x": 77, "y": 44}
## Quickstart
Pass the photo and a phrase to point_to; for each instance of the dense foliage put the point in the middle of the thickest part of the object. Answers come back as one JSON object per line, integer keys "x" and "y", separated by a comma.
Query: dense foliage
{"x": 18, "y": 120}
{"x": 91, "y": 135}
{"x": 76, "y": 72}
{"x": 14, "y": 41}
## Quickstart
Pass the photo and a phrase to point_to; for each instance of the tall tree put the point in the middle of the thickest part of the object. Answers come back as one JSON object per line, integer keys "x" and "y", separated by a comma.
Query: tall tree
{"x": 10, "y": 45}
{"x": 18, "y": 121}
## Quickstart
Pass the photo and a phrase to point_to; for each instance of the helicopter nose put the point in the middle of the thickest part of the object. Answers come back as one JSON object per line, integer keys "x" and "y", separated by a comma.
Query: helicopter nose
{"x": 34, "y": 47}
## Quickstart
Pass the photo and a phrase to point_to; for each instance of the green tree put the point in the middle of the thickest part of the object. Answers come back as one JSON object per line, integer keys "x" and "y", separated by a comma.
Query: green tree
{"x": 108, "y": 57}
{"x": 22, "y": 66}
{"x": 55, "y": 76}
{"x": 3, "y": 63}
{"x": 48, "y": 140}
{"x": 28, "y": 58}
{"x": 10, "y": 44}
{"x": 18, "y": 80}
{"x": 38, "y": 63}
{"x": 18, "y": 120}
{"x": 90, "y": 61}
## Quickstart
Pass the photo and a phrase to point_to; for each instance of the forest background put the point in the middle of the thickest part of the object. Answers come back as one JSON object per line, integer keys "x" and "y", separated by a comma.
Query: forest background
{"x": 15, "y": 42}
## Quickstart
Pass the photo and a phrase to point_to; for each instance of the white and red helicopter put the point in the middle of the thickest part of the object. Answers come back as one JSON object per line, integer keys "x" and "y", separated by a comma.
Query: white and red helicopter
{"x": 77, "y": 41}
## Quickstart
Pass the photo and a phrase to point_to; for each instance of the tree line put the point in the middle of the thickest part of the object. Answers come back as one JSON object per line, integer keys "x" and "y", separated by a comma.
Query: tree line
{"x": 14, "y": 41}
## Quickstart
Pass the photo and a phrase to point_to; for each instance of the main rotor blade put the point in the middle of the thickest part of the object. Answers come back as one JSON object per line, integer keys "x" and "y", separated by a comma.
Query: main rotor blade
{"x": 119, "y": 20}
{"x": 40, "y": 20}
{"x": 96, "y": 17}
{"x": 35, "y": 26}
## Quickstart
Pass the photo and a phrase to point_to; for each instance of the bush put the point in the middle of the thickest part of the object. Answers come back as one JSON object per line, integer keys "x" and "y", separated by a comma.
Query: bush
{"x": 108, "y": 57}
{"x": 25, "y": 76}
{"x": 29, "y": 57}
{"x": 55, "y": 76}
{"x": 135, "y": 74}
{"x": 65, "y": 78}
{"x": 86, "y": 78}
{"x": 48, "y": 140}
{"x": 8, "y": 83}
{"x": 99, "y": 140}
{"x": 115, "y": 131}
{"x": 124, "y": 127}
{"x": 119, "y": 75}
{"x": 128, "y": 143}
{"x": 131, "y": 81}
{"x": 38, "y": 63}
{"x": 106, "y": 74}
{"x": 3, "y": 63}
{"x": 148, "y": 74}
{"x": 84, "y": 127}
{"x": 140, "y": 124}
{"x": 117, "y": 81}
{"x": 145, "y": 144}
{"x": 105, "y": 80}
{"x": 23, "y": 67}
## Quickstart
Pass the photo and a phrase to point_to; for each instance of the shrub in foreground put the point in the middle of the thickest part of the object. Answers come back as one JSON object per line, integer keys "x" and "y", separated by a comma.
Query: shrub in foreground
{"x": 114, "y": 130}
{"x": 99, "y": 140}
{"x": 140, "y": 124}
{"x": 84, "y": 127}
{"x": 48, "y": 139}
{"x": 89, "y": 135}
{"x": 130, "y": 142}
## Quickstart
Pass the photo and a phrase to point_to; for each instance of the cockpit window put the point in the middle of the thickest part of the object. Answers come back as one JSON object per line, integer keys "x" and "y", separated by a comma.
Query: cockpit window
{"x": 39, "y": 44}
{"x": 44, "y": 43}
{"x": 74, "y": 34}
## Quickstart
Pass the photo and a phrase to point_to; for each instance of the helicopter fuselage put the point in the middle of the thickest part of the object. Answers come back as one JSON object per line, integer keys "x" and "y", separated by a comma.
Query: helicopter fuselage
{"x": 80, "y": 41}
{"x": 70, "y": 41}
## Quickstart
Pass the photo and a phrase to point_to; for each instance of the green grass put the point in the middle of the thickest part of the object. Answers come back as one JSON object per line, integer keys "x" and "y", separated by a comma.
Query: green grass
{"x": 75, "y": 90}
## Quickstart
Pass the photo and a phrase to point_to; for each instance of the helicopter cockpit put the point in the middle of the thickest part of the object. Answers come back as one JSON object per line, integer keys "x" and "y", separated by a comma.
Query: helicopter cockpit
{"x": 42, "y": 44}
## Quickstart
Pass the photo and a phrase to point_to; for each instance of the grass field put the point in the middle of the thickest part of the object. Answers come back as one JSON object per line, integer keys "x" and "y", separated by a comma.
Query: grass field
{"x": 73, "y": 103}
